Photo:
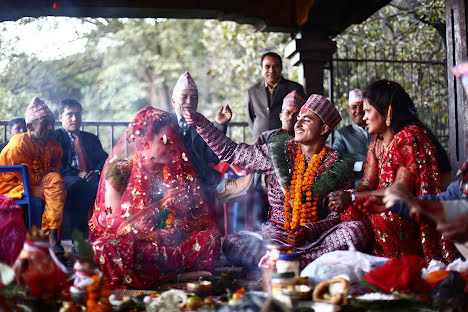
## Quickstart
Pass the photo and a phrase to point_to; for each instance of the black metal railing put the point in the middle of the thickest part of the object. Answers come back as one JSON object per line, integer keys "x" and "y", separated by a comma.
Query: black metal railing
{"x": 109, "y": 132}
{"x": 423, "y": 76}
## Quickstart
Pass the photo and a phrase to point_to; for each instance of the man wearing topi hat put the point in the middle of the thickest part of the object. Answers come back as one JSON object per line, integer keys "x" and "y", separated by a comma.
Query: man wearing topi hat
{"x": 41, "y": 154}
{"x": 303, "y": 170}
{"x": 354, "y": 139}
{"x": 292, "y": 103}
{"x": 185, "y": 98}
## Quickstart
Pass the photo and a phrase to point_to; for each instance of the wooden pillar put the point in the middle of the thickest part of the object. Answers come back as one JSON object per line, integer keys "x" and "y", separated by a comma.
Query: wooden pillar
{"x": 456, "y": 14}
{"x": 310, "y": 51}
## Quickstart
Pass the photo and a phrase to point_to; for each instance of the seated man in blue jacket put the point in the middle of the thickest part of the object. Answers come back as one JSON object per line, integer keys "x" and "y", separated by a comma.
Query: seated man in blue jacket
{"x": 354, "y": 139}
{"x": 81, "y": 165}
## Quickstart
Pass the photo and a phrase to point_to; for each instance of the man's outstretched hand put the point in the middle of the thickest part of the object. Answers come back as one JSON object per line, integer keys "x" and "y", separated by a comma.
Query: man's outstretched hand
{"x": 223, "y": 115}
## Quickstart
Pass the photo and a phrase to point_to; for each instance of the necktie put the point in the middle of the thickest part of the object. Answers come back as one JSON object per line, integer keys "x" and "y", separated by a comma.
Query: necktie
{"x": 81, "y": 154}
{"x": 184, "y": 127}
{"x": 185, "y": 133}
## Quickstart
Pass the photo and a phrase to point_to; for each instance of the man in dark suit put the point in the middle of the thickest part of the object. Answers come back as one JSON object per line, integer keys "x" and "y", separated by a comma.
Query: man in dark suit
{"x": 354, "y": 139}
{"x": 81, "y": 165}
{"x": 266, "y": 97}
{"x": 185, "y": 97}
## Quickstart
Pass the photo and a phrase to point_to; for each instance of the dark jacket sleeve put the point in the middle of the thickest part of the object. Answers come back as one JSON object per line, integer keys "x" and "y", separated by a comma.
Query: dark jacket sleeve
{"x": 452, "y": 193}
{"x": 221, "y": 127}
{"x": 339, "y": 143}
{"x": 93, "y": 147}
{"x": 65, "y": 164}
{"x": 250, "y": 110}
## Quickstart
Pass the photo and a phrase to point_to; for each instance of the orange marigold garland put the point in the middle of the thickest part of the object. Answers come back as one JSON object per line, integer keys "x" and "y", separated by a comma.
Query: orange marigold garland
{"x": 304, "y": 209}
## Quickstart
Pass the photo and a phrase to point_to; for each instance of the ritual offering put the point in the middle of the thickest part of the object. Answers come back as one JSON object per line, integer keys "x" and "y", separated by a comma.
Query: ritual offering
{"x": 38, "y": 267}
{"x": 298, "y": 292}
{"x": 83, "y": 277}
{"x": 334, "y": 291}
{"x": 201, "y": 288}
{"x": 85, "y": 268}
{"x": 288, "y": 262}
{"x": 280, "y": 281}
{"x": 267, "y": 263}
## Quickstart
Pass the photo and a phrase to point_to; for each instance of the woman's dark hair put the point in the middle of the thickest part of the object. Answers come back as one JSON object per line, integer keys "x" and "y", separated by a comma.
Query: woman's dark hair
{"x": 381, "y": 93}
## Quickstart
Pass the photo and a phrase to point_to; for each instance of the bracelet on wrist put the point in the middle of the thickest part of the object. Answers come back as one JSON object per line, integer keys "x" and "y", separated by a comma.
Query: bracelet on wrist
{"x": 353, "y": 194}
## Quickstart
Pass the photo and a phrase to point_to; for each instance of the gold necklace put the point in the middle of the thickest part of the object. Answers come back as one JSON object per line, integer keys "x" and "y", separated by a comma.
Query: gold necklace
{"x": 386, "y": 147}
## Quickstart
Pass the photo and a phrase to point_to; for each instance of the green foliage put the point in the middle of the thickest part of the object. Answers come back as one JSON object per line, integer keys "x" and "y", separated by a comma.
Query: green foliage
{"x": 84, "y": 249}
{"x": 130, "y": 63}
{"x": 405, "y": 39}
{"x": 233, "y": 63}
{"x": 122, "y": 65}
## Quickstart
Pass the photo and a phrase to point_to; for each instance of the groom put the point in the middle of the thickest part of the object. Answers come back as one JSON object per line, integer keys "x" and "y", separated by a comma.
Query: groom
{"x": 303, "y": 171}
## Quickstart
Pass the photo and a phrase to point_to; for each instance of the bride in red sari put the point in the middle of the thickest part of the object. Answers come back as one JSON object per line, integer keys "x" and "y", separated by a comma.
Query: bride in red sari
{"x": 403, "y": 149}
{"x": 150, "y": 221}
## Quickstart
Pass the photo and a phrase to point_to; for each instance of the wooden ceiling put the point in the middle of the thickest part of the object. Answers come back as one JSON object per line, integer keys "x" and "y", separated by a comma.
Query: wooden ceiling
{"x": 332, "y": 16}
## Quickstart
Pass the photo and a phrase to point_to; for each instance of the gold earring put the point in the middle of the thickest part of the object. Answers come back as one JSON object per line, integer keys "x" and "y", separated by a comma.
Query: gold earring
{"x": 389, "y": 116}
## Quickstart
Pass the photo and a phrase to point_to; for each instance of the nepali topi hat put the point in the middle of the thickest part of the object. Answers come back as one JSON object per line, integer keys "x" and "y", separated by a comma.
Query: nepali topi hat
{"x": 293, "y": 99}
{"x": 185, "y": 82}
{"x": 36, "y": 110}
{"x": 323, "y": 108}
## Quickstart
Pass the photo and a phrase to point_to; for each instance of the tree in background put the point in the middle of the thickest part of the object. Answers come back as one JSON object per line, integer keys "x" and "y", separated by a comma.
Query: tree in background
{"x": 407, "y": 41}
{"x": 129, "y": 63}
{"x": 122, "y": 65}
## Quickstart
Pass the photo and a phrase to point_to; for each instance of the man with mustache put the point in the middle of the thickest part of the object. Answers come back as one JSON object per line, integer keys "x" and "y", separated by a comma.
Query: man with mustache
{"x": 81, "y": 165}
{"x": 184, "y": 99}
{"x": 302, "y": 171}
{"x": 41, "y": 154}
{"x": 265, "y": 97}
{"x": 354, "y": 139}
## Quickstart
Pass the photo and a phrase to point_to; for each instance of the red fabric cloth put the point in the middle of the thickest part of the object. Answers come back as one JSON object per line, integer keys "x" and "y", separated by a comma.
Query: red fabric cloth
{"x": 12, "y": 230}
{"x": 400, "y": 274}
{"x": 411, "y": 159}
{"x": 150, "y": 218}
{"x": 43, "y": 273}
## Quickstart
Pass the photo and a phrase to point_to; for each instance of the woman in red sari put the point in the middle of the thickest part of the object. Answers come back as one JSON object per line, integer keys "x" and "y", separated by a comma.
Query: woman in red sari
{"x": 150, "y": 221}
{"x": 403, "y": 149}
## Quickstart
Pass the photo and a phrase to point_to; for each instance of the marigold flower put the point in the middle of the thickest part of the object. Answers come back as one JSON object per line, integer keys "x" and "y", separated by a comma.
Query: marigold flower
{"x": 303, "y": 180}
